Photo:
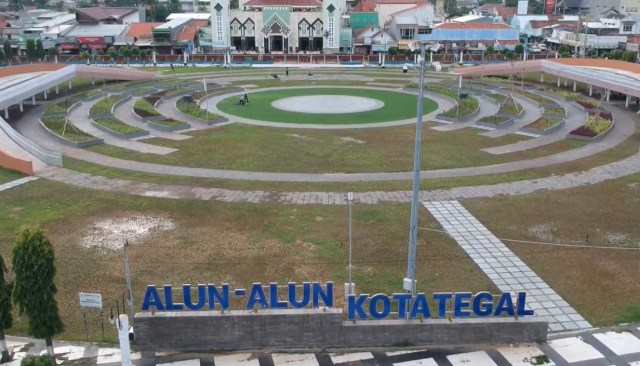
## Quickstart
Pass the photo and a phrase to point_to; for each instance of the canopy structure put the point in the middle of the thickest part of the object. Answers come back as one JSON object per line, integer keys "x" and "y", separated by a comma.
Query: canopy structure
{"x": 611, "y": 75}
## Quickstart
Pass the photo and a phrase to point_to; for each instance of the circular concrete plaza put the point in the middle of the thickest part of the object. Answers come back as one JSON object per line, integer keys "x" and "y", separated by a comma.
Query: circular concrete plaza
{"x": 328, "y": 104}
{"x": 322, "y": 105}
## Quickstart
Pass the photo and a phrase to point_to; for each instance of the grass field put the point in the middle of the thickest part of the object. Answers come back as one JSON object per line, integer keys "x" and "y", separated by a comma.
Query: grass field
{"x": 7, "y": 175}
{"x": 605, "y": 214}
{"x": 252, "y": 148}
{"x": 397, "y": 106}
{"x": 235, "y": 243}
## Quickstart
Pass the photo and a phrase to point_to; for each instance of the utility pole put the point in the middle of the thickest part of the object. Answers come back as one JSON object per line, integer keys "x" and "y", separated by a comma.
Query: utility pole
{"x": 127, "y": 274}
{"x": 350, "y": 201}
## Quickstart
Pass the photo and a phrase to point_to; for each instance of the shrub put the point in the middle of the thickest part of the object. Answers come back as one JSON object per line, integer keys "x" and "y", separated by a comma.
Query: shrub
{"x": 494, "y": 119}
{"x": 557, "y": 111}
{"x": 117, "y": 125}
{"x": 597, "y": 124}
{"x": 538, "y": 98}
{"x": 565, "y": 94}
{"x": 153, "y": 98}
{"x": 31, "y": 360}
{"x": 57, "y": 125}
{"x": 145, "y": 109}
{"x": 105, "y": 105}
{"x": 57, "y": 108}
{"x": 169, "y": 123}
{"x": 509, "y": 106}
{"x": 193, "y": 110}
{"x": 587, "y": 104}
{"x": 464, "y": 108}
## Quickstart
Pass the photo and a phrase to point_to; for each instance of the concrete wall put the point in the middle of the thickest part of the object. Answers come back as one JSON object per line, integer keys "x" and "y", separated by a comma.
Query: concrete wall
{"x": 318, "y": 329}
{"x": 13, "y": 163}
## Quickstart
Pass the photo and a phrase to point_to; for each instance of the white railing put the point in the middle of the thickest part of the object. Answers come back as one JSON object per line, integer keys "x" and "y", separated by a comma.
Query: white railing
{"x": 48, "y": 157}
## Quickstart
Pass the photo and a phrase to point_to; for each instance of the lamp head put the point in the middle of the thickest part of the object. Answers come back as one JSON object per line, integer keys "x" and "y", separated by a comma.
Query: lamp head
{"x": 405, "y": 69}
{"x": 413, "y": 46}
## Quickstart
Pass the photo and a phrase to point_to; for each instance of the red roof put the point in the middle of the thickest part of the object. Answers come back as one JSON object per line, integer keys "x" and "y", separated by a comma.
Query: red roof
{"x": 187, "y": 33}
{"x": 99, "y": 13}
{"x": 499, "y": 9}
{"x": 537, "y": 24}
{"x": 141, "y": 30}
{"x": 473, "y": 26}
{"x": 291, "y": 3}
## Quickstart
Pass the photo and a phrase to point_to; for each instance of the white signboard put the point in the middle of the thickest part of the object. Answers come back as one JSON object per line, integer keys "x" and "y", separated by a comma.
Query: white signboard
{"x": 89, "y": 300}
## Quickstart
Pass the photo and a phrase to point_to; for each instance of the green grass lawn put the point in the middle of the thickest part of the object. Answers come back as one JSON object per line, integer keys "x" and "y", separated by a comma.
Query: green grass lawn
{"x": 397, "y": 106}
{"x": 235, "y": 243}
{"x": 252, "y": 148}
{"x": 57, "y": 125}
{"x": 7, "y": 175}
{"x": 104, "y": 106}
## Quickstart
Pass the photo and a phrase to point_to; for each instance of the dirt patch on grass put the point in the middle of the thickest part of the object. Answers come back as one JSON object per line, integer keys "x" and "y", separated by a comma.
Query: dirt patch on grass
{"x": 110, "y": 234}
{"x": 351, "y": 140}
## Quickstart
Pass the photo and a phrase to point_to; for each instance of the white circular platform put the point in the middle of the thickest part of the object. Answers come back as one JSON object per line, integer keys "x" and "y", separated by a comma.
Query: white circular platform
{"x": 327, "y": 104}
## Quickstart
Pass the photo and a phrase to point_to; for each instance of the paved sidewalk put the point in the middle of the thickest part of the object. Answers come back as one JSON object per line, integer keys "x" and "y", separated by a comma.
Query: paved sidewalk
{"x": 575, "y": 118}
{"x": 124, "y": 112}
{"x": 598, "y": 347}
{"x": 503, "y": 267}
{"x": 488, "y": 107}
{"x": 595, "y": 175}
{"x": 79, "y": 116}
{"x": 531, "y": 113}
{"x": 15, "y": 183}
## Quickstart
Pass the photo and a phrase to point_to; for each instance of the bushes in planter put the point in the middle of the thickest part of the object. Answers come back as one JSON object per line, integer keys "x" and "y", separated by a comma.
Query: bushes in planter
{"x": 145, "y": 109}
{"x": 594, "y": 126}
{"x": 57, "y": 125}
{"x": 464, "y": 108}
{"x": 193, "y": 110}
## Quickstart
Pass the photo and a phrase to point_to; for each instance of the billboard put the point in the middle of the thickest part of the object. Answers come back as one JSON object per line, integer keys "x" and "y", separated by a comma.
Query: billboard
{"x": 549, "y": 6}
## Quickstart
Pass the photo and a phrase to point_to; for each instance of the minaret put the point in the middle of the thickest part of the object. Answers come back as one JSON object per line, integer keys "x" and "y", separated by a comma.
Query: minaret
{"x": 332, "y": 11}
{"x": 220, "y": 24}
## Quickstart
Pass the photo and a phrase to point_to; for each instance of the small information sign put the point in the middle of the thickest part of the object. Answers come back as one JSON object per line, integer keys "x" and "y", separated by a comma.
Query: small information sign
{"x": 89, "y": 300}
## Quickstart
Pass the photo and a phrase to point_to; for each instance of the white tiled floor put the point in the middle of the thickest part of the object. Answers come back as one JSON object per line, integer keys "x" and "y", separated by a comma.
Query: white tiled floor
{"x": 397, "y": 353}
{"x": 574, "y": 349}
{"x": 423, "y": 362}
{"x": 108, "y": 355}
{"x": 244, "y": 359}
{"x": 350, "y": 357}
{"x": 522, "y": 355}
{"x": 622, "y": 343}
{"x": 194, "y": 362}
{"x": 294, "y": 359}
{"x": 479, "y": 358}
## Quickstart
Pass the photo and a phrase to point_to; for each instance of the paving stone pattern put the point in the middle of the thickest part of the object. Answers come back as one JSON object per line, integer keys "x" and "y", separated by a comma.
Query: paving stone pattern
{"x": 598, "y": 347}
{"x": 503, "y": 267}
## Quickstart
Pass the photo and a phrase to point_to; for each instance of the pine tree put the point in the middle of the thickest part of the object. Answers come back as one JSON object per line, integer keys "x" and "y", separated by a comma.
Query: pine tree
{"x": 35, "y": 289}
{"x": 6, "y": 320}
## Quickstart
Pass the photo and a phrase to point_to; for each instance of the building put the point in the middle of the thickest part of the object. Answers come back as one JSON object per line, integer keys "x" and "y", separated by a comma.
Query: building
{"x": 141, "y": 34}
{"x": 472, "y": 37}
{"x": 279, "y": 26}
{"x": 596, "y": 8}
{"x": 103, "y": 15}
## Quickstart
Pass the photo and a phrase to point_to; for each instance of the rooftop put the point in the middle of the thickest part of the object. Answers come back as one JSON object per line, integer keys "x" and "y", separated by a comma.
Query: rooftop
{"x": 141, "y": 30}
{"x": 97, "y": 30}
{"x": 473, "y": 26}
{"x": 101, "y": 13}
{"x": 371, "y": 5}
{"x": 175, "y": 23}
{"x": 196, "y": 16}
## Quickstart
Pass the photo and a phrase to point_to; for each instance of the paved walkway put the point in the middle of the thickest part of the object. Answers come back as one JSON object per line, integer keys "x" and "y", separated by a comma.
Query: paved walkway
{"x": 167, "y": 107}
{"x": 124, "y": 112}
{"x": 531, "y": 113}
{"x": 595, "y": 175}
{"x": 211, "y": 103}
{"x": 488, "y": 107}
{"x": 79, "y": 117}
{"x": 575, "y": 118}
{"x": 598, "y": 347}
{"x": 15, "y": 183}
{"x": 503, "y": 267}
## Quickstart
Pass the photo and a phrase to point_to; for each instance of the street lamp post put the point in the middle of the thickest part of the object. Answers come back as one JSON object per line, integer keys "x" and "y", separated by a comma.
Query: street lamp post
{"x": 409, "y": 283}
{"x": 350, "y": 201}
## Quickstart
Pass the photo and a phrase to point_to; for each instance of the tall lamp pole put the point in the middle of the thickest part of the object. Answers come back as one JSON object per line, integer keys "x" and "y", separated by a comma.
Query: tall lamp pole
{"x": 350, "y": 201}
{"x": 409, "y": 283}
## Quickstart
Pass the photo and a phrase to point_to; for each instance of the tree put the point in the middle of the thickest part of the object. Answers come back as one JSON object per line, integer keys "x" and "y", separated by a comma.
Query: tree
{"x": 113, "y": 54}
{"x": 565, "y": 54}
{"x": 41, "y": 4}
{"x": 8, "y": 52}
{"x": 31, "y": 49}
{"x": 511, "y": 3}
{"x": 6, "y": 320}
{"x": 85, "y": 56}
{"x": 392, "y": 51}
{"x": 53, "y": 52}
{"x": 126, "y": 53}
{"x": 519, "y": 49}
{"x": 564, "y": 48}
{"x": 629, "y": 56}
{"x": 135, "y": 51}
{"x": 488, "y": 52}
{"x": 508, "y": 55}
{"x": 1, "y": 55}
{"x": 39, "y": 49}
{"x": 35, "y": 288}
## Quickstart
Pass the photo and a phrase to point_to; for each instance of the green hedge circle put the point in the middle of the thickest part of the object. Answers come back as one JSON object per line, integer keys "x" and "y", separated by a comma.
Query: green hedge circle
{"x": 397, "y": 106}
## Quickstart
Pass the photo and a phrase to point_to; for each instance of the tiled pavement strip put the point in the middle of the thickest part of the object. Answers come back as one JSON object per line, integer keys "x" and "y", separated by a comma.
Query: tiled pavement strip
{"x": 503, "y": 267}
{"x": 600, "y": 347}
{"x": 15, "y": 183}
